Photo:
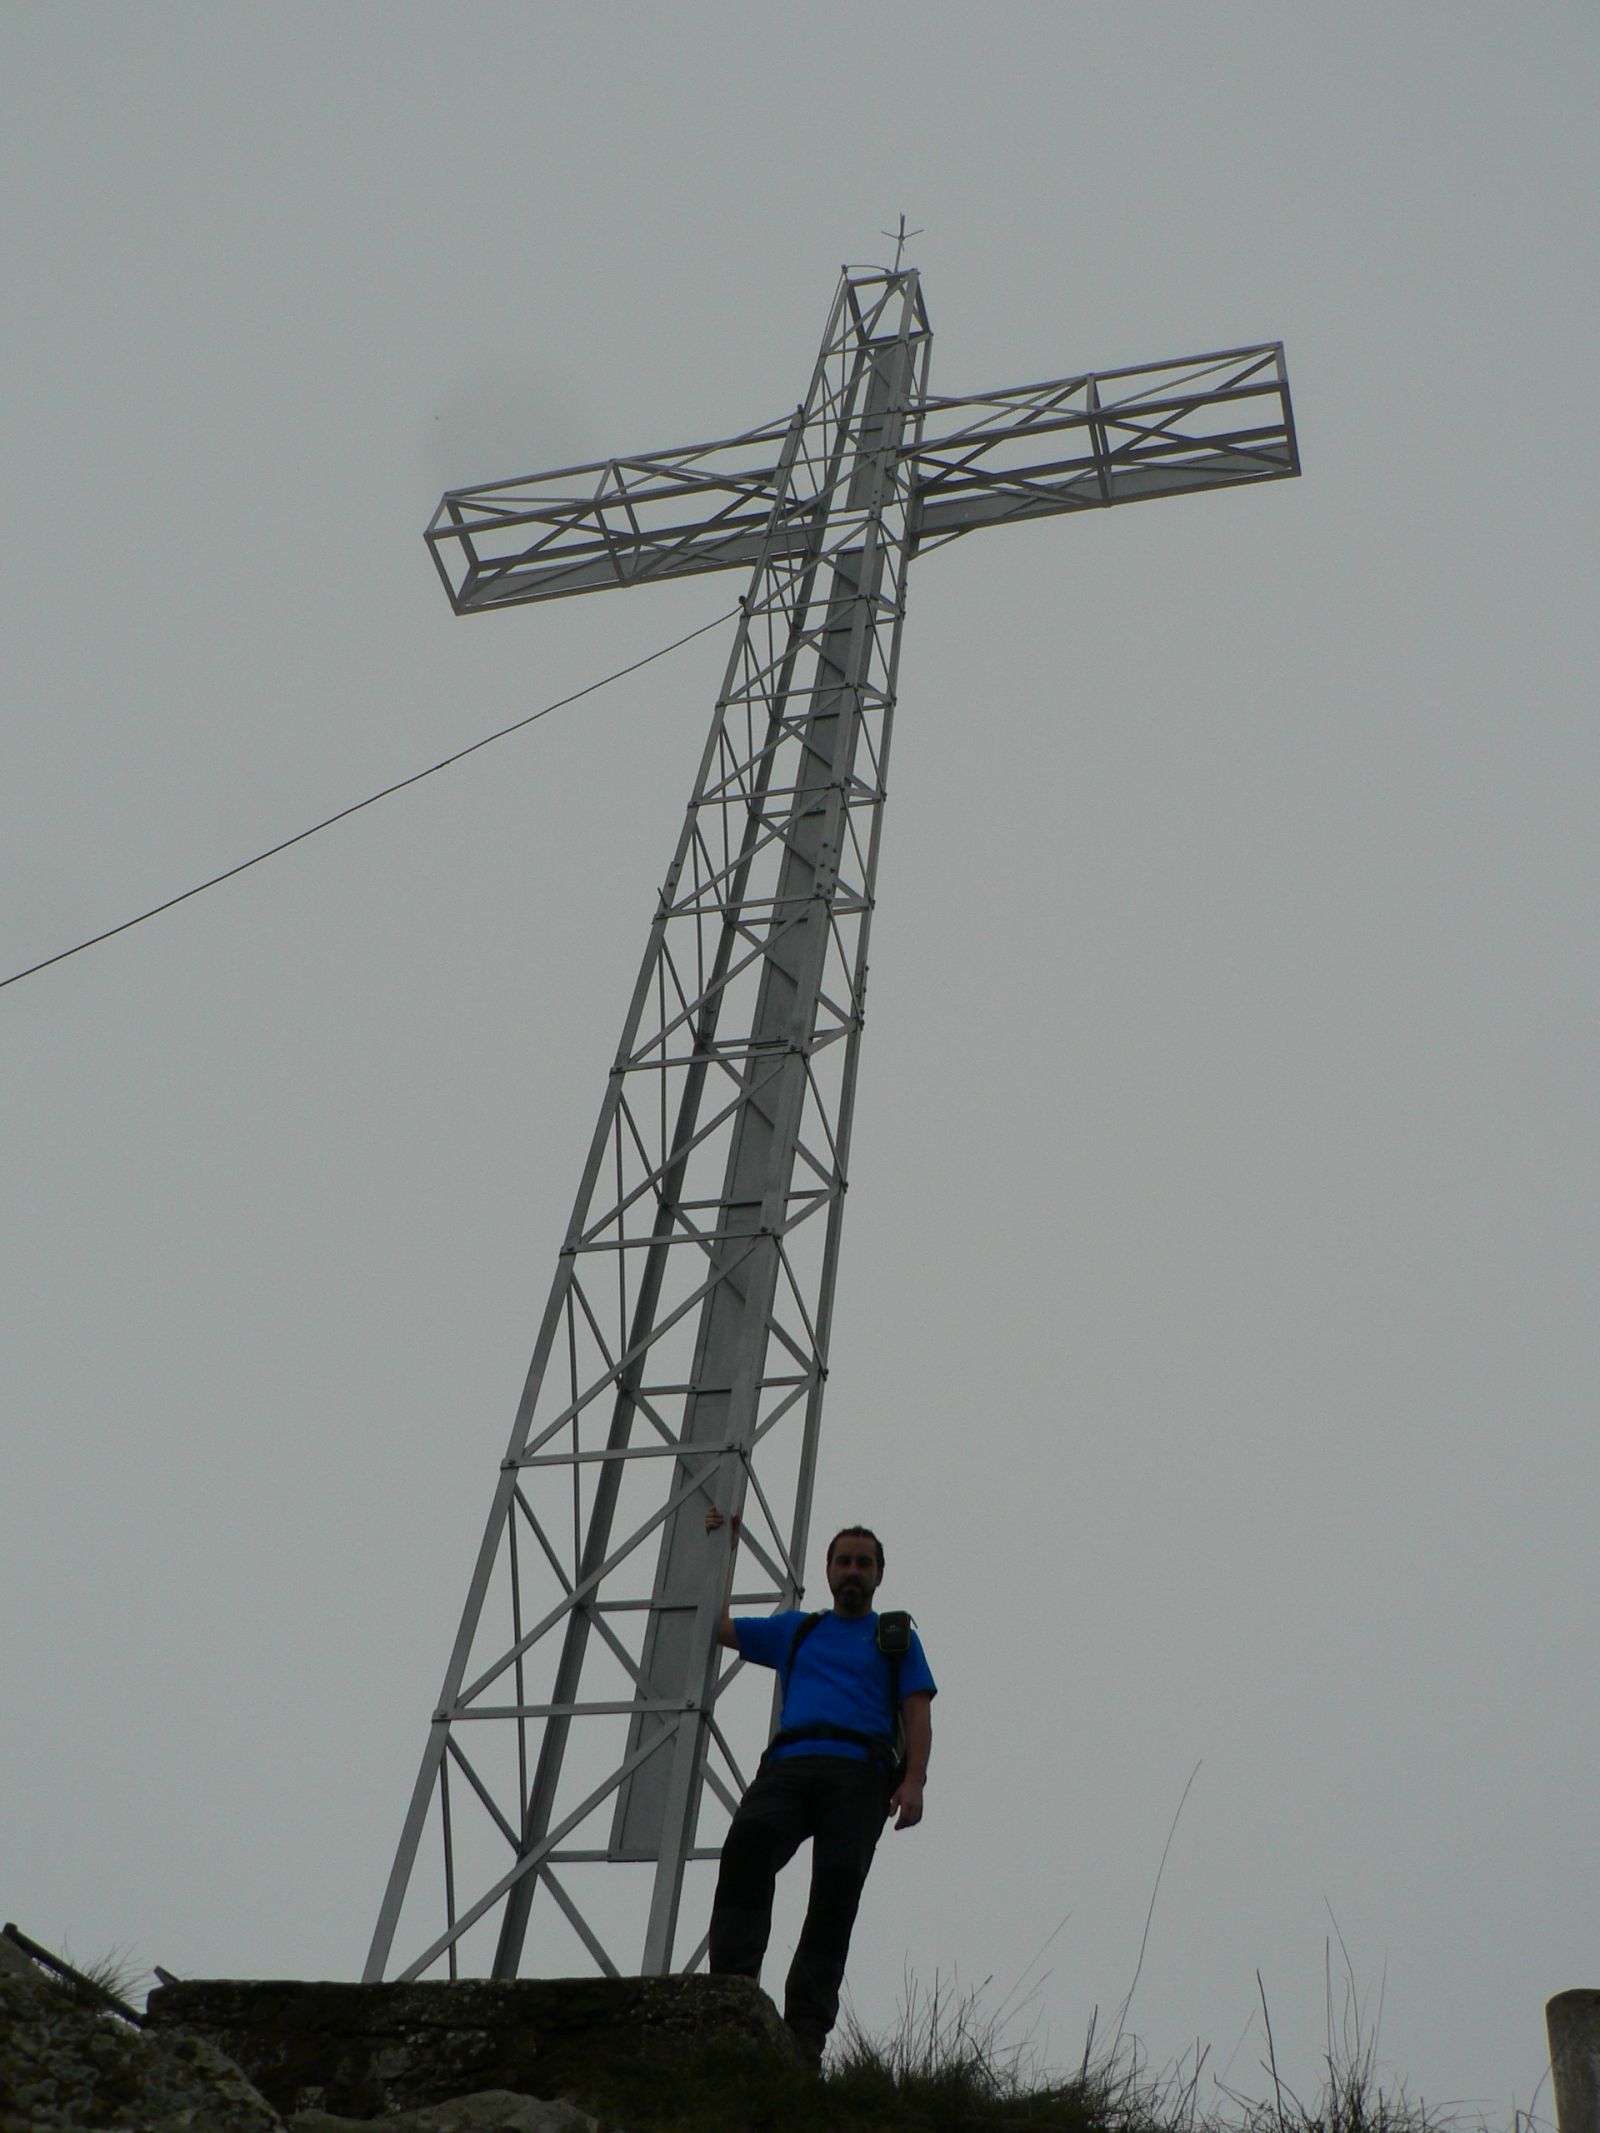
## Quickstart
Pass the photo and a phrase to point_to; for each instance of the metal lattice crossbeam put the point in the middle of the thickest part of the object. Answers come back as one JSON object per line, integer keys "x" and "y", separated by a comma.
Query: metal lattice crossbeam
{"x": 1069, "y": 444}
{"x": 683, "y": 1351}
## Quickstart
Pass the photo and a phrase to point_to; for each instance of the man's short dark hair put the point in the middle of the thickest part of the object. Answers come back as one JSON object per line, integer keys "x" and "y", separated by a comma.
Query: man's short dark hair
{"x": 864, "y": 1533}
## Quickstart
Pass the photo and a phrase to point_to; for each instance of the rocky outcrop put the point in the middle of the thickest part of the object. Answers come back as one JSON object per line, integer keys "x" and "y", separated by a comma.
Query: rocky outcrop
{"x": 64, "y": 2063}
{"x": 470, "y": 2057}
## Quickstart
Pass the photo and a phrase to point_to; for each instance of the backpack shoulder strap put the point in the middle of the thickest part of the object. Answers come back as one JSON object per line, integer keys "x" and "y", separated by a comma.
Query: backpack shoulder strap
{"x": 802, "y": 1631}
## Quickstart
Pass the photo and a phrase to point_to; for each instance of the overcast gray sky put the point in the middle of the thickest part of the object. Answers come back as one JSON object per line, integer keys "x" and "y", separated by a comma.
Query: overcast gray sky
{"x": 1216, "y": 1342}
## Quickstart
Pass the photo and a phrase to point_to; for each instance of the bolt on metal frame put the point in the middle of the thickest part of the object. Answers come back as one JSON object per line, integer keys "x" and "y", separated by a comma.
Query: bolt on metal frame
{"x": 682, "y": 1355}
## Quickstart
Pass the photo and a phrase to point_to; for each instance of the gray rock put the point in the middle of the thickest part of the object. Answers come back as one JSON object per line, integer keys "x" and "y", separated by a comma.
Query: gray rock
{"x": 489, "y": 2111}
{"x": 65, "y": 2063}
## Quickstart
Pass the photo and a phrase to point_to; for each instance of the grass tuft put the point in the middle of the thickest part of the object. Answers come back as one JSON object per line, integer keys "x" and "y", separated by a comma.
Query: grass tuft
{"x": 107, "y": 1983}
{"x": 948, "y": 2067}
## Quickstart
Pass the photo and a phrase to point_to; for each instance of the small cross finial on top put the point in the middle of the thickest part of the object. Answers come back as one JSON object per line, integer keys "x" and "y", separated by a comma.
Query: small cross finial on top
{"x": 899, "y": 237}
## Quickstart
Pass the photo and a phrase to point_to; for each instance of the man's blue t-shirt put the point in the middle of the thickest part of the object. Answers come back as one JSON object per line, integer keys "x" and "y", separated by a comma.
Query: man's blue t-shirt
{"x": 839, "y": 1679}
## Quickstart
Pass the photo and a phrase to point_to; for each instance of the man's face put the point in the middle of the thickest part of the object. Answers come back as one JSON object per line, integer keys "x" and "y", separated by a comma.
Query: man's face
{"x": 853, "y": 1575}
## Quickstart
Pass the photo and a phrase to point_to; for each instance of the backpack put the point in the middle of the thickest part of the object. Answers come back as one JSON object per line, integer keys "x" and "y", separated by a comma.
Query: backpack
{"x": 887, "y": 1749}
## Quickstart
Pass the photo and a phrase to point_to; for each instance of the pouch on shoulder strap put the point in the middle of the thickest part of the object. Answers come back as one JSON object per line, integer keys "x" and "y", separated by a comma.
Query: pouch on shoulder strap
{"x": 894, "y": 1633}
{"x": 894, "y": 1641}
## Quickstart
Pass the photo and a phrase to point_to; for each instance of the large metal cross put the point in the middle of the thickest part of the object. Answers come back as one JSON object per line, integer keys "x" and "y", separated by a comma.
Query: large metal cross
{"x": 684, "y": 1348}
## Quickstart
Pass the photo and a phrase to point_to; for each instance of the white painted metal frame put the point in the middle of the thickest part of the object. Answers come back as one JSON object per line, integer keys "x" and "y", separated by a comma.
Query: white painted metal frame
{"x": 683, "y": 1351}
{"x": 684, "y": 1346}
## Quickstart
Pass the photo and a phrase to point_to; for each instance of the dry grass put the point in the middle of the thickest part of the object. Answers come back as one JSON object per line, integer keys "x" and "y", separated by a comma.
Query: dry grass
{"x": 949, "y": 2066}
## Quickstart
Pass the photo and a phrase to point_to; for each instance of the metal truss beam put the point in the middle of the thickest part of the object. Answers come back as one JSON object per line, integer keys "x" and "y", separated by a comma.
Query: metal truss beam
{"x": 1070, "y": 444}
{"x": 689, "y": 1319}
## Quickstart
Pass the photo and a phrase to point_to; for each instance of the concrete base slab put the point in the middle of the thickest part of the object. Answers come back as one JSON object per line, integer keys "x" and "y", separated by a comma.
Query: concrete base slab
{"x": 359, "y": 2051}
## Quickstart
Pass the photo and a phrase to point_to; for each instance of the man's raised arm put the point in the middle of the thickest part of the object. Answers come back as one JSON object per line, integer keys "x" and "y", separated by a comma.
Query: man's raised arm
{"x": 725, "y": 1635}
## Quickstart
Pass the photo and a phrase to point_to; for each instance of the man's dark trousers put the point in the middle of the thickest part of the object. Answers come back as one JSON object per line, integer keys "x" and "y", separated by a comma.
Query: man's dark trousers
{"x": 839, "y": 1802}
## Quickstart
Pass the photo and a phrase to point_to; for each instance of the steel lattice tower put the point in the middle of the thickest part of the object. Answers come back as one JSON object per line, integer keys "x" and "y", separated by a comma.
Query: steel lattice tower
{"x": 683, "y": 1351}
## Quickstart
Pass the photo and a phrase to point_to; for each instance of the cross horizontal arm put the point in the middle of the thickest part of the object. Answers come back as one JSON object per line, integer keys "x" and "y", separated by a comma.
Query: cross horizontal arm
{"x": 1107, "y": 437}
{"x": 615, "y": 522}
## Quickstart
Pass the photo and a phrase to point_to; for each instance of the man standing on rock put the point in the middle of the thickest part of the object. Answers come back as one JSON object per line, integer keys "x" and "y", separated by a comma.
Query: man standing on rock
{"x": 852, "y": 1681}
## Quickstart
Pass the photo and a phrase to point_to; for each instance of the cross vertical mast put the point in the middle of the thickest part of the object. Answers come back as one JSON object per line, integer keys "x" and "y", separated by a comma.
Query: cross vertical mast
{"x": 684, "y": 1347}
